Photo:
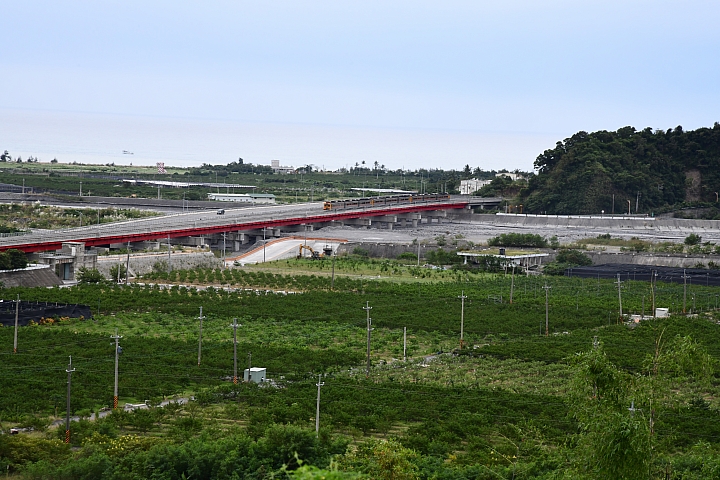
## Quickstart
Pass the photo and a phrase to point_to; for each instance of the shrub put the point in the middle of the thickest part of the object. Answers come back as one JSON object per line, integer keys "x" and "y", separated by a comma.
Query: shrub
{"x": 693, "y": 239}
{"x": 118, "y": 271}
{"x": 555, "y": 268}
{"x": 573, "y": 257}
{"x": 90, "y": 275}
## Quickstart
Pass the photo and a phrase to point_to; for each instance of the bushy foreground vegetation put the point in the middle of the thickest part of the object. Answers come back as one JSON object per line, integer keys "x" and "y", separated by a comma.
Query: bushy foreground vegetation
{"x": 593, "y": 399}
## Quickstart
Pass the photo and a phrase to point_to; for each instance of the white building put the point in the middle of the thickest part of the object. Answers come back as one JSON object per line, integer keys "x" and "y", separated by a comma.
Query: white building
{"x": 275, "y": 165}
{"x": 468, "y": 187}
{"x": 512, "y": 176}
{"x": 255, "y": 374}
{"x": 243, "y": 197}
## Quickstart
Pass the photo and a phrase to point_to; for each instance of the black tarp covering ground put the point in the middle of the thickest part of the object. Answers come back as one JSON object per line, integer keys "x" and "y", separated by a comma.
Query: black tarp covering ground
{"x": 696, "y": 276}
{"x": 38, "y": 310}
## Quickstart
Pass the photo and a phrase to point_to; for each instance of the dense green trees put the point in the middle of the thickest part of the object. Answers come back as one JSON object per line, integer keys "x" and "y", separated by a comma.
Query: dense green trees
{"x": 12, "y": 259}
{"x": 518, "y": 240}
{"x": 654, "y": 169}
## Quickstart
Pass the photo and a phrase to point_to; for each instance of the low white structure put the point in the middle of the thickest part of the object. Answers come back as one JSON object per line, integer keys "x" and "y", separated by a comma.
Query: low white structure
{"x": 255, "y": 374}
{"x": 243, "y": 197}
{"x": 277, "y": 168}
{"x": 527, "y": 260}
{"x": 468, "y": 187}
{"x": 512, "y": 176}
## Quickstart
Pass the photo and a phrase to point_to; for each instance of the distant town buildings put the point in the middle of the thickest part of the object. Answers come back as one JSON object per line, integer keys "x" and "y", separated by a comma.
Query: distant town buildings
{"x": 275, "y": 165}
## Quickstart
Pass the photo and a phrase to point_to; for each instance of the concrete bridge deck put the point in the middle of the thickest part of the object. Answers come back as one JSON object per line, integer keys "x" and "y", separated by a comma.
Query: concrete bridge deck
{"x": 196, "y": 224}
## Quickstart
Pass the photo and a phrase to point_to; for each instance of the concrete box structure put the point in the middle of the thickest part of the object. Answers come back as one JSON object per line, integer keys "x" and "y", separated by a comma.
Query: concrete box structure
{"x": 255, "y": 374}
{"x": 67, "y": 261}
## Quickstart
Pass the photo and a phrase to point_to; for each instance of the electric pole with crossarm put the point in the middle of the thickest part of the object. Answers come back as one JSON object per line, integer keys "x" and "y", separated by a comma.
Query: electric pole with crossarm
{"x": 117, "y": 338}
{"x": 317, "y": 408}
{"x": 367, "y": 308}
{"x": 200, "y": 337}
{"x": 235, "y": 326}
{"x": 462, "y": 298}
{"x": 67, "y": 408}
{"x": 547, "y": 315}
{"x": 17, "y": 313}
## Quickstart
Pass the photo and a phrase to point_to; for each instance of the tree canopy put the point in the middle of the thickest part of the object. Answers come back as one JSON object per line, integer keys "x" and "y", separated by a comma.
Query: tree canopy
{"x": 650, "y": 168}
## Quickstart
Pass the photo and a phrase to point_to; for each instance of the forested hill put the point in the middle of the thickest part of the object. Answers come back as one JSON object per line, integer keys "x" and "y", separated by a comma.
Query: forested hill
{"x": 667, "y": 168}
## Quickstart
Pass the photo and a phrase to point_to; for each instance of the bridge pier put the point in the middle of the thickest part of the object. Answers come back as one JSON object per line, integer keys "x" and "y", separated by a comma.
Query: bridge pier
{"x": 413, "y": 218}
{"x": 360, "y": 222}
{"x": 387, "y": 220}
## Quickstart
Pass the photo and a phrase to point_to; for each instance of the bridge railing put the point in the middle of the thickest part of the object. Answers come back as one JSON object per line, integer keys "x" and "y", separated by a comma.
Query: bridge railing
{"x": 192, "y": 220}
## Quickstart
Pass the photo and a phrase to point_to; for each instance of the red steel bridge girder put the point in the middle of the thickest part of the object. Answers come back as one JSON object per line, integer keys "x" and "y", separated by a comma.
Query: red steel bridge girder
{"x": 215, "y": 229}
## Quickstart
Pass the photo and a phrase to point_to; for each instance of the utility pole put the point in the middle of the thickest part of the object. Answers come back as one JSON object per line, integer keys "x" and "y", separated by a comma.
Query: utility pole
{"x": 418, "y": 262}
{"x": 200, "y": 337}
{"x": 332, "y": 278}
{"x": 547, "y": 316}
{"x": 317, "y": 408}
{"x": 512, "y": 283}
{"x": 653, "y": 275}
{"x": 127, "y": 266}
{"x": 684, "y": 289}
{"x": 462, "y": 298}
{"x": 264, "y": 230}
{"x": 367, "y": 309}
{"x": 693, "y": 297}
{"x": 404, "y": 344}
{"x": 249, "y": 364}
{"x": 234, "y": 326}
{"x": 117, "y": 338}
{"x": 69, "y": 371}
{"x": 169, "y": 259}
{"x": 642, "y": 316}
{"x": 17, "y": 312}
{"x": 619, "y": 283}
{"x": 224, "y": 244}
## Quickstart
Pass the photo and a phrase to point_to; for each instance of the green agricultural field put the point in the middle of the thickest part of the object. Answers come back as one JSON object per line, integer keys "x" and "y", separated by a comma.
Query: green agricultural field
{"x": 513, "y": 403}
{"x": 17, "y": 217}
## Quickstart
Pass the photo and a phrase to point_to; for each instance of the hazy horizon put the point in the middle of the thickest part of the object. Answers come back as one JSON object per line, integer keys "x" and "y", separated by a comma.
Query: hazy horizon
{"x": 101, "y": 139}
{"x": 420, "y": 84}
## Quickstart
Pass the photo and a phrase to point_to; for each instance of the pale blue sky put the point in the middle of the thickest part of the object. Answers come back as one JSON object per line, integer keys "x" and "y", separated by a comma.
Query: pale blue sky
{"x": 512, "y": 67}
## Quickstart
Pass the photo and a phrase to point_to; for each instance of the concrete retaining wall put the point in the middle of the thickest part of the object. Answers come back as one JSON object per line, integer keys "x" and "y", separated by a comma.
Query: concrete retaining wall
{"x": 381, "y": 250}
{"x": 141, "y": 264}
{"x": 601, "y": 223}
{"x": 679, "y": 261}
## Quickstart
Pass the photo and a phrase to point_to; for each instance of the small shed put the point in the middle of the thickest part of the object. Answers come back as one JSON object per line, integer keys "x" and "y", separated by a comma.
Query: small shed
{"x": 255, "y": 374}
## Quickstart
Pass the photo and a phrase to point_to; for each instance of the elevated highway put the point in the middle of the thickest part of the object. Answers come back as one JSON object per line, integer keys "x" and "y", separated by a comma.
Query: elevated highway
{"x": 237, "y": 220}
